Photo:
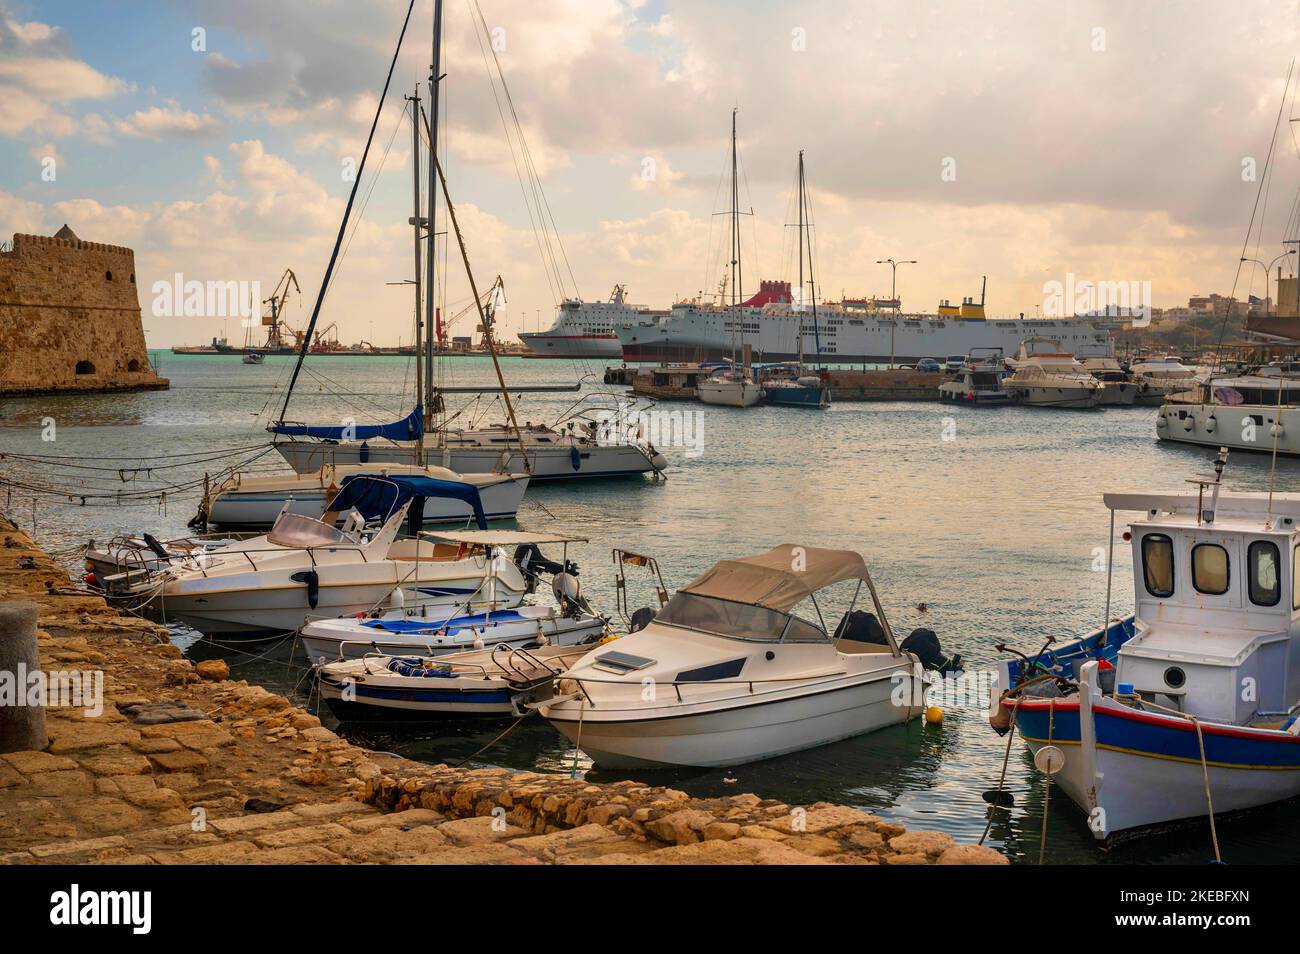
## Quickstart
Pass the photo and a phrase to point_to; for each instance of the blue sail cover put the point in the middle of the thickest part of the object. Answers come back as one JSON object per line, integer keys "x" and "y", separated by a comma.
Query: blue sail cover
{"x": 409, "y": 428}
{"x": 375, "y": 498}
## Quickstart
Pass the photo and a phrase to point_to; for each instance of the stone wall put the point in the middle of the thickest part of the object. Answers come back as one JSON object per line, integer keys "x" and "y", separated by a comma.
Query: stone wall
{"x": 70, "y": 318}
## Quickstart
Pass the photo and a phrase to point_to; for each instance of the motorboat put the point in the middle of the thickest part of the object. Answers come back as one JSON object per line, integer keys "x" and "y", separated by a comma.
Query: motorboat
{"x": 1160, "y": 376}
{"x": 1117, "y": 387}
{"x": 269, "y": 584}
{"x": 1187, "y": 709}
{"x": 726, "y": 673}
{"x": 433, "y": 631}
{"x": 487, "y": 682}
{"x": 730, "y": 387}
{"x": 249, "y": 502}
{"x": 138, "y": 555}
{"x": 1254, "y": 412}
{"x": 1052, "y": 378}
{"x": 254, "y": 357}
{"x": 978, "y": 382}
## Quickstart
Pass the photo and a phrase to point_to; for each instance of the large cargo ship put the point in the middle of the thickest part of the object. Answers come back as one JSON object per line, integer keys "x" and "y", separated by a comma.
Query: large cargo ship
{"x": 585, "y": 329}
{"x": 853, "y": 331}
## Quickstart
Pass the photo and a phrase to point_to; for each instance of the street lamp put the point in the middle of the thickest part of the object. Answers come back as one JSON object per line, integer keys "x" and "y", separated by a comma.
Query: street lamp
{"x": 1268, "y": 269}
{"x": 893, "y": 296}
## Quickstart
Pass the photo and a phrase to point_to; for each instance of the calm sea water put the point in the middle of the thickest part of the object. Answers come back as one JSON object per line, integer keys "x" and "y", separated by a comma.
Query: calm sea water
{"x": 990, "y": 517}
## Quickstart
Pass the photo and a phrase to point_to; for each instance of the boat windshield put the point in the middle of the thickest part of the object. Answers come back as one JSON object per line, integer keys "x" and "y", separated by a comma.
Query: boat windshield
{"x": 736, "y": 620}
{"x": 300, "y": 532}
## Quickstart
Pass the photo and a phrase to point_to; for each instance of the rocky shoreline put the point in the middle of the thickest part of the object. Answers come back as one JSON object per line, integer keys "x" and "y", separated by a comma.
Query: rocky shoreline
{"x": 187, "y": 766}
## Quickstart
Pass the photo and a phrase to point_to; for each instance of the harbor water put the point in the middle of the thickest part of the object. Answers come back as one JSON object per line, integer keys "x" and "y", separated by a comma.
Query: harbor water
{"x": 990, "y": 517}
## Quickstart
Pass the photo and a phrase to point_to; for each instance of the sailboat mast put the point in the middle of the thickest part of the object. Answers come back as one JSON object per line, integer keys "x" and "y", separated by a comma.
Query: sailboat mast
{"x": 414, "y": 100}
{"x": 435, "y": 76}
{"x": 805, "y": 221}
{"x": 799, "y": 321}
{"x": 737, "y": 280}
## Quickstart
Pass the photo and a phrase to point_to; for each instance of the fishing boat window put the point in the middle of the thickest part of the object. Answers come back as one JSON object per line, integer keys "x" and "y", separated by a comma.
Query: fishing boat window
{"x": 1210, "y": 569}
{"x": 739, "y": 620}
{"x": 1158, "y": 565}
{"x": 1263, "y": 560}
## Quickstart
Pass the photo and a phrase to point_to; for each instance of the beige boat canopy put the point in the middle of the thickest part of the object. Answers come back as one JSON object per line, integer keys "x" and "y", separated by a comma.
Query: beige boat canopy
{"x": 780, "y": 578}
{"x": 500, "y": 538}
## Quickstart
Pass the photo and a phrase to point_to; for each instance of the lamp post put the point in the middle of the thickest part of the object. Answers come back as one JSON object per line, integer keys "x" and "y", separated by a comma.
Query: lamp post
{"x": 1268, "y": 268}
{"x": 893, "y": 296}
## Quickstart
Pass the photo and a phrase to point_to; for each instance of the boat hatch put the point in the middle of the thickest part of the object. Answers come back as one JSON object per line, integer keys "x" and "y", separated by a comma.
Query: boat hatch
{"x": 621, "y": 663}
{"x": 724, "y": 670}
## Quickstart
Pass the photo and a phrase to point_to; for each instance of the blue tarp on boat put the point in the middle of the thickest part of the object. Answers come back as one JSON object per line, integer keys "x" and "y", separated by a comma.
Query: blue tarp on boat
{"x": 429, "y": 626}
{"x": 375, "y": 498}
{"x": 409, "y": 428}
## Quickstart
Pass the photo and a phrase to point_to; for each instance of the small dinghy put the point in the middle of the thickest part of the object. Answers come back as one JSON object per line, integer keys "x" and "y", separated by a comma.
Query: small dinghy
{"x": 1187, "y": 708}
{"x": 726, "y": 673}
{"x": 491, "y": 682}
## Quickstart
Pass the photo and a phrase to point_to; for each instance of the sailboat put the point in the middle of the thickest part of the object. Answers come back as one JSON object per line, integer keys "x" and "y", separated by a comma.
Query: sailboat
{"x": 792, "y": 385}
{"x": 581, "y": 449}
{"x": 733, "y": 386}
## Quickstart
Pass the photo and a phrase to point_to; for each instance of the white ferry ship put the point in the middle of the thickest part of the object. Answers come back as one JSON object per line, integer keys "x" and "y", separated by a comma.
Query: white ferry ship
{"x": 585, "y": 329}
{"x": 852, "y": 331}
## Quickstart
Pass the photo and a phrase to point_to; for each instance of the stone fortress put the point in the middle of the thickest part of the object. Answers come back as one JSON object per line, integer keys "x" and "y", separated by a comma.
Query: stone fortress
{"x": 70, "y": 318}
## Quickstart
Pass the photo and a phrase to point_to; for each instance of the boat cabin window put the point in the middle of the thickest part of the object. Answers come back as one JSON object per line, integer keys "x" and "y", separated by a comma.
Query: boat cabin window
{"x": 740, "y": 620}
{"x": 1158, "y": 565}
{"x": 1295, "y": 578}
{"x": 1210, "y": 572}
{"x": 1265, "y": 584}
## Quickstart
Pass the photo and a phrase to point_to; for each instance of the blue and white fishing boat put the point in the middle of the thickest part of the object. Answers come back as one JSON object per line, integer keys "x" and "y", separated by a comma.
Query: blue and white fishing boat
{"x": 1187, "y": 708}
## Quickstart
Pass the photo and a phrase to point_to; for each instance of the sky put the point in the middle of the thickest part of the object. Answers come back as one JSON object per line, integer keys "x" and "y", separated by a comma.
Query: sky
{"x": 1022, "y": 141}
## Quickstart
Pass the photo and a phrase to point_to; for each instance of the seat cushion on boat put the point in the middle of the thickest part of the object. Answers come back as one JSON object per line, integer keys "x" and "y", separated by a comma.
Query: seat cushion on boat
{"x": 459, "y": 622}
{"x": 853, "y": 646}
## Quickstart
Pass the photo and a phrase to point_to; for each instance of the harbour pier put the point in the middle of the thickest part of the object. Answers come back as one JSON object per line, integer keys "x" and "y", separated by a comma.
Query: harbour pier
{"x": 178, "y": 763}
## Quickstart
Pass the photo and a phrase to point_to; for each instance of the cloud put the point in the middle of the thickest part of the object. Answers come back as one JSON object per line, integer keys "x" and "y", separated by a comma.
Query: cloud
{"x": 167, "y": 123}
{"x": 39, "y": 77}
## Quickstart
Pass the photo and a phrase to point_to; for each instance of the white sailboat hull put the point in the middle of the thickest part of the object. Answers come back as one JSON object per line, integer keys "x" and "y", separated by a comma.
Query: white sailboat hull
{"x": 729, "y": 393}
{"x": 557, "y": 461}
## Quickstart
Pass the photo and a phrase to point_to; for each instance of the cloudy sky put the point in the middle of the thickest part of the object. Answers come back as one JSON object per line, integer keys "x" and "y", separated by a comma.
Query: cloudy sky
{"x": 1020, "y": 140}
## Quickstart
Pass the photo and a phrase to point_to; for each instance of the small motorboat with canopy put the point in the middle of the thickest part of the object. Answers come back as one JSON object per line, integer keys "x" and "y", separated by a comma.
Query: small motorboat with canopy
{"x": 739, "y": 666}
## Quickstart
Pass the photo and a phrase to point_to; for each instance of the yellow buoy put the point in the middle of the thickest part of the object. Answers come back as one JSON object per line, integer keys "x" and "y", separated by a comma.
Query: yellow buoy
{"x": 933, "y": 716}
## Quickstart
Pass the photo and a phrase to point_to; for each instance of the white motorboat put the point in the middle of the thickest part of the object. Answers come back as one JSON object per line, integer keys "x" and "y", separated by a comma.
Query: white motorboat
{"x": 1117, "y": 388}
{"x": 1253, "y": 412}
{"x": 1052, "y": 378}
{"x": 1160, "y": 376}
{"x": 725, "y": 673}
{"x": 978, "y": 382}
{"x": 254, "y": 357}
{"x": 488, "y": 682}
{"x": 270, "y": 584}
{"x": 730, "y": 388}
{"x": 250, "y": 502}
{"x": 1186, "y": 709}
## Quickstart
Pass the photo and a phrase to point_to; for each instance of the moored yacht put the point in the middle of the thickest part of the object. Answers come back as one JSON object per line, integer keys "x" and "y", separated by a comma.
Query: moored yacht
{"x": 1051, "y": 378}
{"x": 1116, "y": 385}
{"x": 1160, "y": 376}
{"x": 1254, "y": 412}
{"x": 979, "y": 381}
{"x": 730, "y": 387}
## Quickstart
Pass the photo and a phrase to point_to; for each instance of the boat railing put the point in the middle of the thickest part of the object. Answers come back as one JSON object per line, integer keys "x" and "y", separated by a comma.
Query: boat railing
{"x": 678, "y": 683}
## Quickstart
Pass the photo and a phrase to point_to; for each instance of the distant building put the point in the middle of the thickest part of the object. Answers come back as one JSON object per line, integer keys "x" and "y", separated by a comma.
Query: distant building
{"x": 70, "y": 318}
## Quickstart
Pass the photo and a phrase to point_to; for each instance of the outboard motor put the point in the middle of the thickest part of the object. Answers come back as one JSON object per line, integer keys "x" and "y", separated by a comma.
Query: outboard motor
{"x": 568, "y": 593}
{"x": 533, "y": 564}
{"x": 924, "y": 644}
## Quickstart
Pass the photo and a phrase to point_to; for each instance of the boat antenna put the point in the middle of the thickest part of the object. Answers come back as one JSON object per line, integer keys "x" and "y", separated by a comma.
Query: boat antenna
{"x": 347, "y": 212}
